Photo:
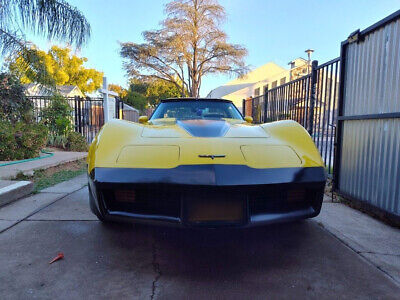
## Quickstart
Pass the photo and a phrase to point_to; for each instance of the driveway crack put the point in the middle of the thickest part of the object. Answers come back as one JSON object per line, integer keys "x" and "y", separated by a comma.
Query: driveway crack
{"x": 377, "y": 253}
{"x": 156, "y": 269}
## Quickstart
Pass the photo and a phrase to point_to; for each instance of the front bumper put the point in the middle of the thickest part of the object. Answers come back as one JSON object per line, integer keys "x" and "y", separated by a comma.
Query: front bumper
{"x": 207, "y": 195}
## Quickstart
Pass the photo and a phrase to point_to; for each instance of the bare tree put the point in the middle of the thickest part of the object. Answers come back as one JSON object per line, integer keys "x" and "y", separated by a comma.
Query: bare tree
{"x": 189, "y": 45}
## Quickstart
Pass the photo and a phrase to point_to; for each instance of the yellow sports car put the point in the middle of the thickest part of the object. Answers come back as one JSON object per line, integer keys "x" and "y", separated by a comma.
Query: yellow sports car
{"x": 198, "y": 162}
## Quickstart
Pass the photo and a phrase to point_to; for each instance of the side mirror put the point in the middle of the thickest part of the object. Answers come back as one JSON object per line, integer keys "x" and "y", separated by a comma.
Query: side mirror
{"x": 143, "y": 119}
{"x": 248, "y": 119}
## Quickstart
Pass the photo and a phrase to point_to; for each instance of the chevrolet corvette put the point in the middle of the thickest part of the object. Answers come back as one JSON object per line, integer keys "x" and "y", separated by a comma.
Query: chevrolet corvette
{"x": 199, "y": 162}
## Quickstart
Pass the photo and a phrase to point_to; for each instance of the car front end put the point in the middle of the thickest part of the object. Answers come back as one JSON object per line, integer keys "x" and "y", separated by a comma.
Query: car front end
{"x": 205, "y": 173}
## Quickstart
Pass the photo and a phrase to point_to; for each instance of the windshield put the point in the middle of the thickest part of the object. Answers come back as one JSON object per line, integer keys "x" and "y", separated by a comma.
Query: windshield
{"x": 196, "y": 109}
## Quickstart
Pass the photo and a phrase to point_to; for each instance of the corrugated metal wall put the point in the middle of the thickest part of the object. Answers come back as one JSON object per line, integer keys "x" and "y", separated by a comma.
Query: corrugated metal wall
{"x": 369, "y": 160}
{"x": 373, "y": 73}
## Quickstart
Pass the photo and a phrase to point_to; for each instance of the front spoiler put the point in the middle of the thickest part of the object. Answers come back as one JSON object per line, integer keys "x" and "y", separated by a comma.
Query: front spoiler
{"x": 236, "y": 177}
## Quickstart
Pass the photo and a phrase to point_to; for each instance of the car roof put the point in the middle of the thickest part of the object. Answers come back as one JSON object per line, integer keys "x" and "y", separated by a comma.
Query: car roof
{"x": 194, "y": 99}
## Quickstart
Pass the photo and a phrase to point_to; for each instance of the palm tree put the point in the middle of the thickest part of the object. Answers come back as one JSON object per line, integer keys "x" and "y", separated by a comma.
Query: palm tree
{"x": 54, "y": 19}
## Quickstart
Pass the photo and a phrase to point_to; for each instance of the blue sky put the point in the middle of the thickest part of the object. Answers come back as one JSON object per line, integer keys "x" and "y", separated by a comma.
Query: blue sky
{"x": 276, "y": 31}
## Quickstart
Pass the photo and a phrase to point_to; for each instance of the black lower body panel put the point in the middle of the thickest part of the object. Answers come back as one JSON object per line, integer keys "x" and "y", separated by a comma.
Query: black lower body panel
{"x": 207, "y": 195}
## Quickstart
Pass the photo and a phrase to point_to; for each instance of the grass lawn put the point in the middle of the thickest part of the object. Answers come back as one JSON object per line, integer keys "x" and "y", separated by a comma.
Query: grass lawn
{"x": 45, "y": 178}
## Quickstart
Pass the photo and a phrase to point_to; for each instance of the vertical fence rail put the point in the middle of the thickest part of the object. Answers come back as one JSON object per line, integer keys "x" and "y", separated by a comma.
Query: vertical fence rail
{"x": 310, "y": 100}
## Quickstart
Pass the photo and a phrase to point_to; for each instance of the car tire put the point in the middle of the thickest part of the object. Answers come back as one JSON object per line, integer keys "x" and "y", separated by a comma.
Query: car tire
{"x": 94, "y": 208}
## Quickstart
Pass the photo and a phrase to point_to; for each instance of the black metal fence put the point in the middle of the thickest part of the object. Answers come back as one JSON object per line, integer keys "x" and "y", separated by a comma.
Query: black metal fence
{"x": 310, "y": 100}
{"x": 87, "y": 115}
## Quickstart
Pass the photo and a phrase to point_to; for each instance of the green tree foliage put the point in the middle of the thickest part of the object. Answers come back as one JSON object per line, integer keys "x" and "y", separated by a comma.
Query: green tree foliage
{"x": 135, "y": 99}
{"x": 142, "y": 94}
{"x": 62, "y": 67}
{"x": 160, "y": 89}
{"x": 189, "y": 45}
{"x": 118, "y": 89}
{"x": 54, "y": 19}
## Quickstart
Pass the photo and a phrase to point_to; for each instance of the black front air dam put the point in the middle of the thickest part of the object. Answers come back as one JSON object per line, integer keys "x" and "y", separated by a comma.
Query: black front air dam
{"x": 212, "y": 178}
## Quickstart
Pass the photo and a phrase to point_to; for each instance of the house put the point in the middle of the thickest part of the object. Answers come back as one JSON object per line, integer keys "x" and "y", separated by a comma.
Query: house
{"x": 36, "y": 89}
{"x": 254, "y": 83}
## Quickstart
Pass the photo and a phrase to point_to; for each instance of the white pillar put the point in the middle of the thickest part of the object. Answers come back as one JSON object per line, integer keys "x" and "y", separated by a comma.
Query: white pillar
{"x": 105, "y": 101}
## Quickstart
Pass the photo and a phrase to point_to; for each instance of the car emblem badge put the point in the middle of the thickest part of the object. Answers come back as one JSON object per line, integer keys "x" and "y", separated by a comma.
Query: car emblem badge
{"x": 212, "y": 156}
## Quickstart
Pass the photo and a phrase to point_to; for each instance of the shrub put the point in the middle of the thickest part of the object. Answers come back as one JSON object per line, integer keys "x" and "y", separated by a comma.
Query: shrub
{"x": 21, "y": 140}
{"x": 58, "y": 141}
{"x": 14, "y": 105}
{"x": 57, "y": 116}
{"x": 7, "y": 141}
{"x": 73, "y": 141}
{"x": 76, "y": 142}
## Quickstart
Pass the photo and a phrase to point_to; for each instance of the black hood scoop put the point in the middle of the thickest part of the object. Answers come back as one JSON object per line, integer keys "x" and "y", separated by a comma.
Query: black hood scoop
{"x": 205, "y": 128}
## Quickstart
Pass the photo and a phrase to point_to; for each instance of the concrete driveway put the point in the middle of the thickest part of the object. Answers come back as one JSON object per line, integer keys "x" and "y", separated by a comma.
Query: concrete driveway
{"x": 287, "y": 261}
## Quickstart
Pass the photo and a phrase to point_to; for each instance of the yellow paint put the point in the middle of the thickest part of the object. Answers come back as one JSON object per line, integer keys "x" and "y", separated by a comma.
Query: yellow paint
{"x": 143, "y": 119}
{"x": 274, "y": 157}
{"x": 140, "y": 155}
{"x": 248, "y": 119}
{"x": 117, "y": 145}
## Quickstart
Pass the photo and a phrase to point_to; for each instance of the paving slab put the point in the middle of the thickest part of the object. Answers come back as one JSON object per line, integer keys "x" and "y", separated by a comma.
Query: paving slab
{"x": 27, "y": 168}
{"x": 4, "y": 224}
{"x": 13, "y": 190}
{"x": 99, "y": 262}
{"x": 22, "y": 208}
{"x": 68, "y": 186}
{"x": 371, "y": 238}
{"x": 77, "y": 205}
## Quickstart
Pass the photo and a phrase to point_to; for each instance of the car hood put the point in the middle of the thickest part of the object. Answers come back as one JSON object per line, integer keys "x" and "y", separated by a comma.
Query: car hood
{"x": 202, "y": 128}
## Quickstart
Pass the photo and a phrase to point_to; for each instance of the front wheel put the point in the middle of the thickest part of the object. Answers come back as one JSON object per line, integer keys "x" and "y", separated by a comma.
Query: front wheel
{"x": 94, "y": 208}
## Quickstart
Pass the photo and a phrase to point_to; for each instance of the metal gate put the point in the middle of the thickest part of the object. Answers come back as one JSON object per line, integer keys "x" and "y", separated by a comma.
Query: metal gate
{"x": 367, "y": 162}
{"x": 310, "y": 100}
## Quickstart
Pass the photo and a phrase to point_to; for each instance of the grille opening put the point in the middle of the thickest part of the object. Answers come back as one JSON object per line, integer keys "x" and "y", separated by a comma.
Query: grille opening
{"x": 280, "y": 200}
{"x": 145, "y": 201}
{"x": 172, "y": 201}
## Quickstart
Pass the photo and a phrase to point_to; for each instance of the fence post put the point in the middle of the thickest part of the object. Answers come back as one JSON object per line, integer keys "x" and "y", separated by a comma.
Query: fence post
{"x": 76, "y": 113}
{"x": 244, "y": 107}
{"x": 251, "y": 106}
{"x": 79, "y": 115}
{"x": 265, "y": 104}
{"x": 314, "y": 79}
